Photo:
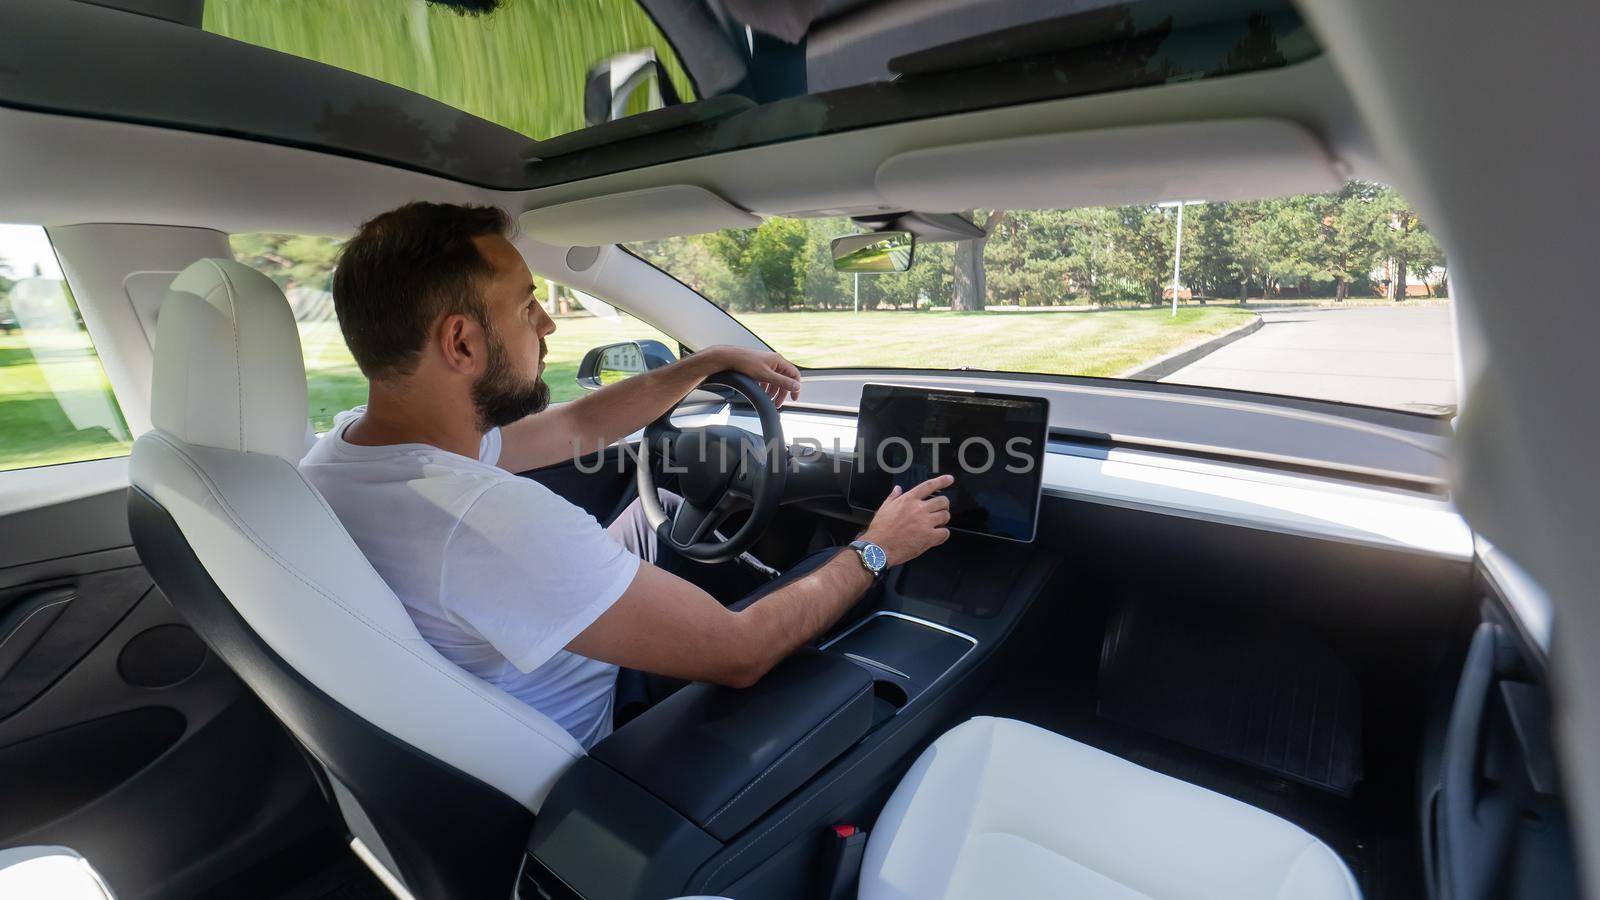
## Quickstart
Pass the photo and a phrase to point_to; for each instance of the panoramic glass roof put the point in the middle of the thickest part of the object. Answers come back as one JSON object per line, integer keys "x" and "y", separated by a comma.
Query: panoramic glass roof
{"x": 527, "y": 93}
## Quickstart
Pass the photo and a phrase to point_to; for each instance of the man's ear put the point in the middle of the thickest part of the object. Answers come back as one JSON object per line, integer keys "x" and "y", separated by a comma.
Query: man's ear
{"x": 462, "y": 344}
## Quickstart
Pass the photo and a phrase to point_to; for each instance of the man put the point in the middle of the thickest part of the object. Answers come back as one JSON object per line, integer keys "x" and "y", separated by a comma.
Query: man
{"x": 505, "y": 578}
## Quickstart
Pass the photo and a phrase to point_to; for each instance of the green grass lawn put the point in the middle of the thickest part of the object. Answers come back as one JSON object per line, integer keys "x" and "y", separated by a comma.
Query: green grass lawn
{"x": 55, "y": 403}
{"x": 1091, "y": 342}
{"x": 36, "y": 428}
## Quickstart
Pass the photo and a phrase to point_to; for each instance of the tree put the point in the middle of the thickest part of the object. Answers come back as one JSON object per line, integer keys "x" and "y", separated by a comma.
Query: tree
{"x": 1346, "y": 240}
{"x": 1142, "y": 236}
{"x": 770, "y": 259}
{"x": 1090, "y": 256}
{"x": 971, "y": 293}
{"x": 291, "y": 260}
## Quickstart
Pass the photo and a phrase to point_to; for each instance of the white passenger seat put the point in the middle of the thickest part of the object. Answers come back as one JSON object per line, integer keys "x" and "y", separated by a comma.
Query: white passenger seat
{"x": 49, "y": 873}
{"x": 999, "y": 808}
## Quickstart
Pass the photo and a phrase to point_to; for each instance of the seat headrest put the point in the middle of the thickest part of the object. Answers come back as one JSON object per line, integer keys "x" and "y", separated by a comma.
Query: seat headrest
{"x": 228, "y": 369}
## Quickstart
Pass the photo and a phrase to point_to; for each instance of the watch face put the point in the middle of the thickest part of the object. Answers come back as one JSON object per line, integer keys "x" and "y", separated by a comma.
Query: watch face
{"x": 875, "y": 557}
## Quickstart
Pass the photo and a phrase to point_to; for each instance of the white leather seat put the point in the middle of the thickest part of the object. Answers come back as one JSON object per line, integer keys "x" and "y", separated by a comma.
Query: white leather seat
{"x": 999, "y": 808}
{"x": 229, "y": 410}
{"x": 49, "y": 873}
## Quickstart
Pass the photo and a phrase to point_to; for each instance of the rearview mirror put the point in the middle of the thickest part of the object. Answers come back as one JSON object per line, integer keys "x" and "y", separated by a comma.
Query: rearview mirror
{"x": 614, "y": 362}
{"x": 880, "y": 251}
{"x": 613, "y": 81}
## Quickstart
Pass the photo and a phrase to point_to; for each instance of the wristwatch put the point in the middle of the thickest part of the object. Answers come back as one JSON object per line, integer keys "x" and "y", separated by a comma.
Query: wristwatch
{"x": 872, "y": 557}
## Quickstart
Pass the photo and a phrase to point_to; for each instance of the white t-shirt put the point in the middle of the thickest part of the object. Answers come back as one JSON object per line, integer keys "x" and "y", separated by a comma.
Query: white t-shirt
{"x": 497, "y": 571}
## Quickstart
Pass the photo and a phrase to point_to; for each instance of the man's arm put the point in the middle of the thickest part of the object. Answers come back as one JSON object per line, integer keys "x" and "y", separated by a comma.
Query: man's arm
{"x": 595, "y": 421}
{"x": 665, "y": 625}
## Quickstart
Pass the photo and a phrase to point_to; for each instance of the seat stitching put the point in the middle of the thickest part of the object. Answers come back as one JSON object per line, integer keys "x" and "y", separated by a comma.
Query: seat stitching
{"x": 238, "y": 363}
{"x": 250, "y": 534}
{"x": 779, "y": 761}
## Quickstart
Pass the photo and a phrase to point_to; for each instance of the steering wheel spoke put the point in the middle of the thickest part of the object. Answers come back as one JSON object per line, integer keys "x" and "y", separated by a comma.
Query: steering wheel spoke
{"x": 692, "y": 523}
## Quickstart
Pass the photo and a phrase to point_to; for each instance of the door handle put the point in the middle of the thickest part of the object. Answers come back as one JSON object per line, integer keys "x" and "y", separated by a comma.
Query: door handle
{"x": 27, "y": 619}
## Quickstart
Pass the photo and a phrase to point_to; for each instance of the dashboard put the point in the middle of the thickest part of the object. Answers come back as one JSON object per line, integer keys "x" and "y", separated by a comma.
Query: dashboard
{"x": 1224, "y": 492}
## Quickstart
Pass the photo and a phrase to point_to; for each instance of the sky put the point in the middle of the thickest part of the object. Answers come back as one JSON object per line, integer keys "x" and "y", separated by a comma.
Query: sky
{"x": 24, "y": 246}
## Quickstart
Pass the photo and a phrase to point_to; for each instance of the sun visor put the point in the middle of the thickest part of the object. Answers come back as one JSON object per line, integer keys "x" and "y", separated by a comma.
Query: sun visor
{"x": 1239, "y": 159}
{"x": 640, "y": 215}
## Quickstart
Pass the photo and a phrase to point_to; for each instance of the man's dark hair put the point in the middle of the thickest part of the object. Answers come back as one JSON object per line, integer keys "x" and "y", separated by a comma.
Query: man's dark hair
{"x": 402, "y": 271}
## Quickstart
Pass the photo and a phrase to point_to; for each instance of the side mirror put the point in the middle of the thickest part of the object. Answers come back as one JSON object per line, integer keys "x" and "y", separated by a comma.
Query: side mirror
{"x": 614, "y": 362}
{"x": 877, "y": 252}
{"x": 612, "y": 82}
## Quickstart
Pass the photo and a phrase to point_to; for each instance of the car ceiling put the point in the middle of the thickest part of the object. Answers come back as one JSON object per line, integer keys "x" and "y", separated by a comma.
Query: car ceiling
{"x": 154, "y": 61}
{"x": 58, "y": 169}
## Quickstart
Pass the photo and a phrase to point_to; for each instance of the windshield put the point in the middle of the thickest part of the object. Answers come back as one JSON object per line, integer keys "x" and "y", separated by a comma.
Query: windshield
{"x": 1340, "y": 297}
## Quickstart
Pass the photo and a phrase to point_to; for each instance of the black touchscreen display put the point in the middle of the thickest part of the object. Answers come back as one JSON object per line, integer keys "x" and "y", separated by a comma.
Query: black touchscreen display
{"x": 993, "y": 444}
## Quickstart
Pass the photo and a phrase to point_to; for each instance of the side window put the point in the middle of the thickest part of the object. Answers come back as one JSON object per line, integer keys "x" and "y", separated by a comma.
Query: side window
{"x": 56, "y": 405}
{"x": 303, "y": 266}
{"x": 582, "y": 323}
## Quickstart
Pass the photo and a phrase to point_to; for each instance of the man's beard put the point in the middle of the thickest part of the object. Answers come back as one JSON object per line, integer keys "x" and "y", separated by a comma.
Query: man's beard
{"x": 501, "y": 396}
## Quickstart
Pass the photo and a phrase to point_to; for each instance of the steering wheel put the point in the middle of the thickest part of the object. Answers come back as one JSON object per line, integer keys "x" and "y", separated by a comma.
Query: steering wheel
{"x": 722, "y": 469}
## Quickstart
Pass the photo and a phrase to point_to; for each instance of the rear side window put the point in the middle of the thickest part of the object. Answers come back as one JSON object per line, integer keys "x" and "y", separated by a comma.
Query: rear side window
{"x": 56, "y": 405}
{"x": 302, "y": 265}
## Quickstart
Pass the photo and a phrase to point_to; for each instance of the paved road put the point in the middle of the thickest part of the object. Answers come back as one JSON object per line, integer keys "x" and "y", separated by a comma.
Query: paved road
{"x": 1402, "y": 357}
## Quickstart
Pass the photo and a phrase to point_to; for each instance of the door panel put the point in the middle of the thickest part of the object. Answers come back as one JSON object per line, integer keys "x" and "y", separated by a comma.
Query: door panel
{"x": 121, "y": 736}
{"x": 603, "y": 486}
{"x": 1494, "y": 821}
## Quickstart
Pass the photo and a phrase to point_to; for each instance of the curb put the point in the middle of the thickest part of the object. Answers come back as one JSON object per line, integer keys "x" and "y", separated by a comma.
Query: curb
{"x": 1176, "y": 360}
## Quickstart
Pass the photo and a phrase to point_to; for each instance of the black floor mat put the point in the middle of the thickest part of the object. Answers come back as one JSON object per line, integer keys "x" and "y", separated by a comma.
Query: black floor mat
{"x": 1374, "y": 829}
{"x": 1381, "y": 849}
{"x": 1270, "y": 695}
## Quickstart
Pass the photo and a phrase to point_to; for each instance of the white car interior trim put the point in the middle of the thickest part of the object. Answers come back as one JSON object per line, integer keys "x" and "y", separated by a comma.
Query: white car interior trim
{"x": 643, "y": 291}
{"x": 1308, "y": 508}
{"x": 66, "y": 170}
{"x": 44, "y": 872}
{"x": 42, "y": 486}
{"x": 1234, "y": 159}
{"x": 644, "y": 214}
{"x": 1529, "y": 603}
{"x": 119, "y": 275}
{"x": 384, "y": 876}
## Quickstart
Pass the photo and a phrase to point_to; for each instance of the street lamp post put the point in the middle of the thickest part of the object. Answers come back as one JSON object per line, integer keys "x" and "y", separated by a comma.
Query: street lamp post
{"x": 1177, "y": 258}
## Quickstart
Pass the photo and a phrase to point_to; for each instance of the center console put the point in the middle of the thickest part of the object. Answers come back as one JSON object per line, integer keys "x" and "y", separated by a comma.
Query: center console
{"x": 714, "y": 787}
{"x": 904, "y": 655}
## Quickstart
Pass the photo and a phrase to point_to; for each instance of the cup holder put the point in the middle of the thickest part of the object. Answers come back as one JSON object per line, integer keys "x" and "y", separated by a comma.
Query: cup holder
{"x": 888, "y": 697}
